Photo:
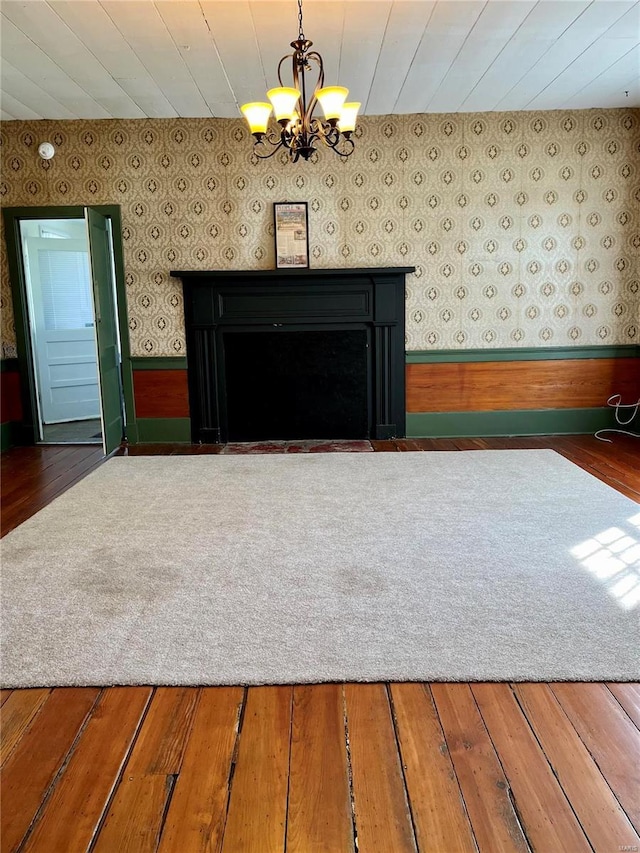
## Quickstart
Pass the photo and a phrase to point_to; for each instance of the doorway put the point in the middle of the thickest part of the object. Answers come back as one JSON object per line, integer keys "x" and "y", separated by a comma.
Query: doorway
{"x": 68, "y": 286}
{"x": 55, "y": 254}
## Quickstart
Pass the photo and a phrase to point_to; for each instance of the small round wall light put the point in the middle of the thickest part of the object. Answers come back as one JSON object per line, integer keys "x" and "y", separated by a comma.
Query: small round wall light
{"x": 46, "y": 150}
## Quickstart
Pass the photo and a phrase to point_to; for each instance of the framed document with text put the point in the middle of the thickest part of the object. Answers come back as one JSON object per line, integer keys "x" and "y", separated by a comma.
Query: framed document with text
{"x": 292, "y": 234}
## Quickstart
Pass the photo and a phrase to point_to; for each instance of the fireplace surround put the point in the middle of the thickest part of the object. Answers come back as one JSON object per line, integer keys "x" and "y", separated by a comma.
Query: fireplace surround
{"x": 284, "y": 354}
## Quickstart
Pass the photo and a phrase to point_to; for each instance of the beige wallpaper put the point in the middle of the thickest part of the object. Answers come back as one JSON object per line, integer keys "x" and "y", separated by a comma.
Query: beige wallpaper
{"x": 524, "y": 227}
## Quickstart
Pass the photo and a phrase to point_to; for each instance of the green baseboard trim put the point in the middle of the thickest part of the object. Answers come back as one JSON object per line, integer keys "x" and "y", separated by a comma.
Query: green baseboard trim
{"x": 131, "y": 432}
{"x": 520, "y": 422}
{"x": 160, "y": 363}
{"x": 5, "y": 437}
{"x": 161, "y": 430}
{"x": 10, "y": 434}
{"x": 9, "y": 365}
{"x": 521, "y": 354}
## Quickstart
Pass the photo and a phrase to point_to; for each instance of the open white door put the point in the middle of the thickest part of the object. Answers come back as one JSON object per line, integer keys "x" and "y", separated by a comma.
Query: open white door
{"x": 63, "y": 328}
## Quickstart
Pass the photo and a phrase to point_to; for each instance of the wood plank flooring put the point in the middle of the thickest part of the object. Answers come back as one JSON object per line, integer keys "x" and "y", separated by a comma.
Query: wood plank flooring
{"x": 372, "y": 768}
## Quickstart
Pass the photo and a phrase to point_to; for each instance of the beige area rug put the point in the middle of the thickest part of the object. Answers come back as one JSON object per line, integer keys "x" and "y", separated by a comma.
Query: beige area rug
{"x": 509, "y": 565}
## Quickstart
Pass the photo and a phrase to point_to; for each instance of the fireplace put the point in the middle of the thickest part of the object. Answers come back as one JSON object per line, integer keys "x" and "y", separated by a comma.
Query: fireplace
{"x": 288, "y": 354}
{"x": 300, "y": 384}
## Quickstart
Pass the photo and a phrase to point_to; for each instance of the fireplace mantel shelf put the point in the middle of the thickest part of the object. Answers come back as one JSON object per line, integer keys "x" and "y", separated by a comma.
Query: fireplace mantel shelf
{"x": 284, "y": 274}
{"x": 224, "y": 304}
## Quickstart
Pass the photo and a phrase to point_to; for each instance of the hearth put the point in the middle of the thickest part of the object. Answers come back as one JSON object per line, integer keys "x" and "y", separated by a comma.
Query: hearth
{"x": 286, "y": 355}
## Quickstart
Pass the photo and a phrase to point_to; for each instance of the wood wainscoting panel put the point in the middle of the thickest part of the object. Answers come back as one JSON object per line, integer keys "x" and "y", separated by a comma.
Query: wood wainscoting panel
{"x": 161, "y": 393}
{"x": 511, "y": 385}
{"x": 10, "y": 403}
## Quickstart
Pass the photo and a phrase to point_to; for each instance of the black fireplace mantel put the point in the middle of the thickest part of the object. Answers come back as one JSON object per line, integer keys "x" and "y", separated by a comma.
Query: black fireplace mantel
{"x": 218, "y": 303}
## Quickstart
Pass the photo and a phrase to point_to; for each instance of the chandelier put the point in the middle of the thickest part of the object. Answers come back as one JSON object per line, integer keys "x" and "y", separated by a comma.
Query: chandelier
{"x": 300, "y": 129}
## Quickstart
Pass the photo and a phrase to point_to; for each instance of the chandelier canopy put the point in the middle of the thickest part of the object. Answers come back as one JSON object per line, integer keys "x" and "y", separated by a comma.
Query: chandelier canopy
{"x": 300, "y": 130}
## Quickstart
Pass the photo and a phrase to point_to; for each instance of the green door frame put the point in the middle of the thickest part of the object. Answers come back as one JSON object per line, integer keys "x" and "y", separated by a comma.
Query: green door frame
{"x": 12, "y": 217}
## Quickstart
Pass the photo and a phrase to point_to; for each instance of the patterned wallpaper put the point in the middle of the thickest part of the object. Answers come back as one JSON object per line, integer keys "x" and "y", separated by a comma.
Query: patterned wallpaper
{"x": 524, "y": 227}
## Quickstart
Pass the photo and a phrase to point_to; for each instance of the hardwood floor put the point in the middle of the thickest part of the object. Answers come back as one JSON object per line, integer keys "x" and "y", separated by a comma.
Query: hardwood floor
{"x": 33, "y": 476}
{"x": 374, "y": 768}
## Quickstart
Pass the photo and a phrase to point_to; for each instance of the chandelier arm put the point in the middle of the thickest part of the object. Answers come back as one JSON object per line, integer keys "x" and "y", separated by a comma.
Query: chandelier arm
{"x": 349, "y": 142}
{"x": 323, "y": 130}
{"x": 313, "y": 54}
{"x": 260, "y": 156}
{"x": 310, "y": 138}
{"x": 305, "y": 107}
{"x": 331, "y": 137}
{"x": 320, "y": 81}
{"x": 269, "y": 139}
{"x": 284, "y": 59}
{"x": 298, "y": 59}
{"x": 352, "y": 147}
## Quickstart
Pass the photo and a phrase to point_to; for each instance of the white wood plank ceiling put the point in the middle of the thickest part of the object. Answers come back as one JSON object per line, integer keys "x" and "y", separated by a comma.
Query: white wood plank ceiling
{"x": 65, "y": 59}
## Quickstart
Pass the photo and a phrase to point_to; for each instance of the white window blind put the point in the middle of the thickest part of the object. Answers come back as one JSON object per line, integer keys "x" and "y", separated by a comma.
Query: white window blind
{"x": 66, "y": 289}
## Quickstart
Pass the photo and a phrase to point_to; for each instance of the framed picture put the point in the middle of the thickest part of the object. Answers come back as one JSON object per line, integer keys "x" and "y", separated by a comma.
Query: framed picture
{"x": 292, "y": 234}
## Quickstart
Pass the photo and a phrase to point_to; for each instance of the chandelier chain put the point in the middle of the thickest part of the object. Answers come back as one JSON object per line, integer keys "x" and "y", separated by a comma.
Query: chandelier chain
{"x": 300, "y": 32}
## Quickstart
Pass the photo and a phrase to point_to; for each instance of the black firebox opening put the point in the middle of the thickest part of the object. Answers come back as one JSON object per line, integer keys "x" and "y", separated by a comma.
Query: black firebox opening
{"x": 297, "y": 384}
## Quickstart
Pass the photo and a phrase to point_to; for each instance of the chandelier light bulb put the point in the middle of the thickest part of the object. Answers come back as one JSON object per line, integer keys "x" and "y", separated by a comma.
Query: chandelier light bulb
{"x": 294, "y": 119}
{"x": 331, "y": 99}
{"x": 257, "y": 114}
{"x": 348, "y": 115}
{"x": 284, "y": 100}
